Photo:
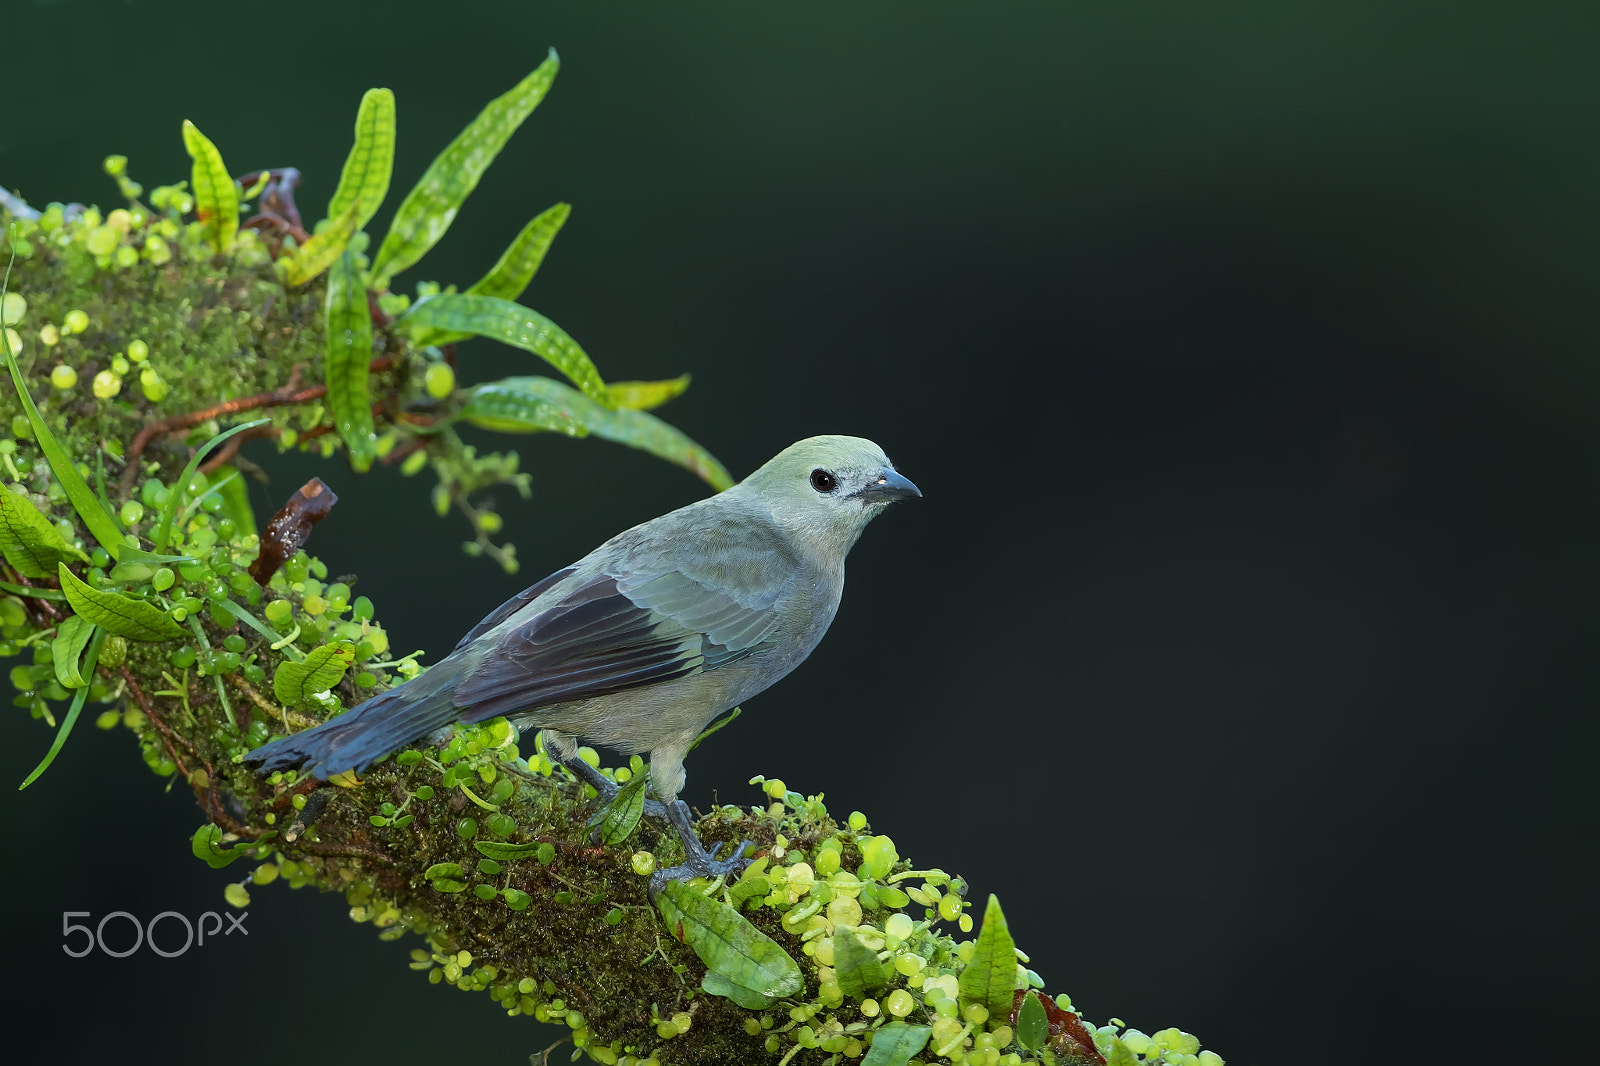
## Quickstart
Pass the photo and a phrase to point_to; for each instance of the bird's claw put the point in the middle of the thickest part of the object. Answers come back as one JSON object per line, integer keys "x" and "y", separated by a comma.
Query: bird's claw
{"x": 706, "y": 864}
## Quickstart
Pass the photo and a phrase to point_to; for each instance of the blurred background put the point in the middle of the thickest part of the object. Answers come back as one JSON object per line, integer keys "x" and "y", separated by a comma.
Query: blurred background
{"x": 1246, "y": 354}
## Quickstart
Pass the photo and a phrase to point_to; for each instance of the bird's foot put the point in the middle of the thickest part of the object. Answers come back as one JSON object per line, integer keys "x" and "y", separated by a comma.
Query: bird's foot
{"x": 706, "y": 864}
{"x": 697, "y": 861}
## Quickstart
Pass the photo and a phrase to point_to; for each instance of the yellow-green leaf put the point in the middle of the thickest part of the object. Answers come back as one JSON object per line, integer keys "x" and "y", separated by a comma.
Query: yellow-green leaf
{"x": 431, "y": 205}
{"x": 510, "y": 276}
{"x": 31, "y": 544}
{"x": 990, "y": 978}
{"x": 216, "y": 198}
{"x": 322, "y": 668}
{"x": 207, "y": 846}
{"x": 510, "y": 323}
{"x": 1121, "y": 1055}
{"x": 349, "y": 351}
{"x": 508, "y": 409}
{"x": 318, "y": 253}
{"x": 523, "y": 257}
{"x": 116, "y": 613}
{"x": 645, "y": 395}
{"x": 66, "y": 651}
{"x": 364, "y": 182}
{"x": 636, "y": 429}
{"x": 742, "y": 962}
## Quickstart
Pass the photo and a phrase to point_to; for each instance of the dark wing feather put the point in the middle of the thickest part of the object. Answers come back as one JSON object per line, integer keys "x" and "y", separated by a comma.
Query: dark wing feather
{"x": 613, "y": 633}
{"x": 510, "y": 607}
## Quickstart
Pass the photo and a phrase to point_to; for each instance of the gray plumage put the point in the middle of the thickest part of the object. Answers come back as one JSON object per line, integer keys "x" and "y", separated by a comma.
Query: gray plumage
{"x": 645, "y": 640}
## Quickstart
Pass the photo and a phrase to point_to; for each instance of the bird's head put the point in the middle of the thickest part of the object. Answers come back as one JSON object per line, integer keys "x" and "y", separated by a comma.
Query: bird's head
{"x": 828, "y": 488}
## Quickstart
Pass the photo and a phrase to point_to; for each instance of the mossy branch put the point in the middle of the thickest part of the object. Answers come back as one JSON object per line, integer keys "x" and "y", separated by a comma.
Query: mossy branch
{"x": 158, "y": 327}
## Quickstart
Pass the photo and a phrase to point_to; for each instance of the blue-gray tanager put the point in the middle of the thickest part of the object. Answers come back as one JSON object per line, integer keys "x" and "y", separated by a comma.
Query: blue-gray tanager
{"x": 642, "y": 642}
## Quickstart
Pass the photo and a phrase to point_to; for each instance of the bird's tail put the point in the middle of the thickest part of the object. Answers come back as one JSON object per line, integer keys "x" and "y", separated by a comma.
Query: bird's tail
{"x": 367, "y": 732}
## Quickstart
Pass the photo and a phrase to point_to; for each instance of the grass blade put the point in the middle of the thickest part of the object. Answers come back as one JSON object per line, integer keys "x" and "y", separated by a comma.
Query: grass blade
{"x": 181, "y": 487}
{"x": 78, "y": 698}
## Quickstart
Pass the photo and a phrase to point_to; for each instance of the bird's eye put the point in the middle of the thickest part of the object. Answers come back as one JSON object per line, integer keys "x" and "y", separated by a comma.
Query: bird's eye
{"x": 823, "y": 481}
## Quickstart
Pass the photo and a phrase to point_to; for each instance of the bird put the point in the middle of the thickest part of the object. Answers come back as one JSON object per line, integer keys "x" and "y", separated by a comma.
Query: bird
{"x": 640, "y": 644}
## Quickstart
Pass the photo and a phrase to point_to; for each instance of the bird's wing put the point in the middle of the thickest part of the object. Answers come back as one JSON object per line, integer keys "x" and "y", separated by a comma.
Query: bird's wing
{"x": 666, "y": 606}
{"x": 510, "y": 607}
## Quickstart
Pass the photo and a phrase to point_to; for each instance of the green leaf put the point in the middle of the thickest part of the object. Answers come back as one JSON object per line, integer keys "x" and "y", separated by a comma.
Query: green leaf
{"x": 522, "y": 258}
{"x": 743, "y": 963}
{"x": 31, "y": 544}
{"x": 716, "y": 985}
{"x": 510, "y": 409}
{"x": 318, "y": 253}
{"x": 431, "y": 206}
{"x": 990, "y": 978}
{"x": 349, "y": 348}
{"x": 180, "y": 488}
{"x": 895, "y": 1043}
{"x": 216, "y": 198}
{"x": 444, "y": 869}
{"x": 119, "y": 614}
{"x": 636, "y": 429}
{"x": 645, "y": 395}
{"x": 510, "y": 323}
{"x": 510, "y": 276}
{"x": 320, "y": 670}
{"x": 364, "y": 182}
{"x": 1033, "y": 1028}
{"x": 857, "y": 965}
{"x": 72, "y": 637}
{"x": 617, "y": 820}
{"x": 207, "y": 846}
{"x": 89, "y": 508}
{"x": 32, "y": 590}
{"x": 137, "y": 564}
{"x": 71, "y": 719}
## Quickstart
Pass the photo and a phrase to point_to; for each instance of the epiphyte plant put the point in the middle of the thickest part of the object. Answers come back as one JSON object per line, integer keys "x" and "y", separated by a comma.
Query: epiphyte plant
{"x": 390, "y": 388}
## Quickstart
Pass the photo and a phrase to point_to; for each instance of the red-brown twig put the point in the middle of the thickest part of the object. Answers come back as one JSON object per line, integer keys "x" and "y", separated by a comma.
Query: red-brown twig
{"x": 290, "y": 394}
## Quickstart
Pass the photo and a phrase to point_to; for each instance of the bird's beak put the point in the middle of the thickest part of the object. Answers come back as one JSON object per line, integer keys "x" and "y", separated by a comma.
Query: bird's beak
{"x": 889, "y": 487}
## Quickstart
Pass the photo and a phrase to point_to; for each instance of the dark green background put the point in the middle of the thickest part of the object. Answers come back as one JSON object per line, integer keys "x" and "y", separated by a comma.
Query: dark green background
{"x": 1246, "y": 355}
